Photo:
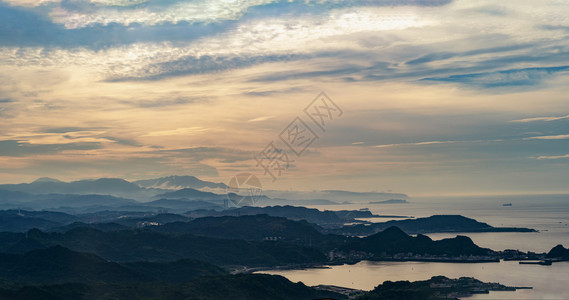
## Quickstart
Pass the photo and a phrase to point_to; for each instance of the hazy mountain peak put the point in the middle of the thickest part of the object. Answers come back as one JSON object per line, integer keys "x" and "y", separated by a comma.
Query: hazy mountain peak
{"x": 178, "y": 182}
{"x": 46, "y": 179}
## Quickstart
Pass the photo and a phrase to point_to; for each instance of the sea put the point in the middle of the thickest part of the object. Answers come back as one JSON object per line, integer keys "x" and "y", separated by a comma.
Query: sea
{"x": 549, "y": 214}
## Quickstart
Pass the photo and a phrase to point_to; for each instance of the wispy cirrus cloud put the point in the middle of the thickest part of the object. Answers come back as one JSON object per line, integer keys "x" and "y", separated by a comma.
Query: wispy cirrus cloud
{"x": 549, "y": 137}
{"x": 416, "y": 144}
{"x": 505, "y": 78}
{"x": 136, "y": 87}
{"x": 553, "y": 157}
{"x": 73, "y": 137}
{"x": 199, "y": 11}
{"x": 178, "y": 131}
{"x": 536, "y": 119}
{"x": 260, "y": 119}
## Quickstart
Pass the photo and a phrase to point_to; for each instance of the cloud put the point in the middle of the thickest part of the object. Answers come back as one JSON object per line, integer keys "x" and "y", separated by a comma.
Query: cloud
{"x": 16, "y": 148}
{"x": 220, "y": 154}
{"x": 194, "y": 65}
{"x": 5, "y": 107}
{"x": 505, "y": 78}
{"x": 79, "y": 14}
{"x": 260, "y": 119}
{"x": 433, "y": 57}
{"x": 180, "y": 48}
{"x": 198, "y": 11}
{"x": 415, "y": 144}
{"x": 549, "y": 137}
{"x": 26, "y": 28}
{"x": 174, "y": 101}
{"x": 178, "y": 131}
{"x": 77, "y": 137}
{"x": 30, "y": 3}
{"x": 535, "y": 119}
{"x": 553, "y": 157}
{"x": 70, "y": 129}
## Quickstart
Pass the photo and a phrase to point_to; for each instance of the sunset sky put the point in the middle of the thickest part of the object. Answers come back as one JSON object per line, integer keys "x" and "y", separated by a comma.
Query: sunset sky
{"x": 438, "y": 97}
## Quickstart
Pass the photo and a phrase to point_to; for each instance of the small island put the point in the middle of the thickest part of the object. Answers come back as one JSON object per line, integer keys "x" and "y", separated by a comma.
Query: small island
{"x": 438, "y": 287}
{"x": 391, "y": 201}
{"x": 432, "y": 224}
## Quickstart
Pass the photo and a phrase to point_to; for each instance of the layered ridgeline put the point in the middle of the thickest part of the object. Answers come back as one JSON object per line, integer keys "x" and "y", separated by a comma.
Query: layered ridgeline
{"x": 180, "y": 193}
{"x": 327, "y": 221}
{"x": 135, "y": 268}
{"x": 179, "y": 182}
{"x": 63, "y": 265}
{"x": 111, "y": 186}
{"x": 258, "y": 240}
{"x": 176, "y": 260}
{"x": 58, "y": 273}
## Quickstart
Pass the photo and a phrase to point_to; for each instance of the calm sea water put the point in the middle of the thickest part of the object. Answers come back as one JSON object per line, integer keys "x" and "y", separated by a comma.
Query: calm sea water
{"x": 548, "y": 214}
{"x": 548, "y": 282}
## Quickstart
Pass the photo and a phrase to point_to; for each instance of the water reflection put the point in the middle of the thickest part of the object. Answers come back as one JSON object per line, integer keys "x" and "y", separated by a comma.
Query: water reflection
{"x": 549, "y": 282}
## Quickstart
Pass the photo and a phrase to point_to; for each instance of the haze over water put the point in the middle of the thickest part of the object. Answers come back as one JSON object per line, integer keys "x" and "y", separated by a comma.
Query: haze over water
{"x": 547, "y": 213}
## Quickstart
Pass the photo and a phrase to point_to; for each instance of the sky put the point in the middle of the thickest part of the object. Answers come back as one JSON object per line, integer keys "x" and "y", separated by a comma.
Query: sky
{"x": 440, "y": 97}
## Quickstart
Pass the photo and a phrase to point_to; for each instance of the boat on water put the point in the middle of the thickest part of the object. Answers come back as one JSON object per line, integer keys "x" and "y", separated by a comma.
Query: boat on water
{"x": 507, "y": 204}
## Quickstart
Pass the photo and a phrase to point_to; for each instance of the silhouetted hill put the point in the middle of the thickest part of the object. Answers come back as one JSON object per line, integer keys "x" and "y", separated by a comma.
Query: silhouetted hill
{"x": 99, "y": 226}
{"x": 177, "y": 271}
{"x": 254, "y": 227}
{"x": 438, "y": 287}
{"x": 235, "y": 287}
{"x": 104, "y": 186}
{"x": 432, "y": 224}
{"x": 63, "y": 202}
{"x": 81, "y": 201}
{"x": 154, "y": 220}
{"x": 394, "y": 240}
{"x": 9, "y": 196}
{"x": 558, "y": 252}
{"x": 312, "y": 215}
{"x": 24, "y": 220}
{"x": 53, "y": 216}
{"x": 189, "y": 193}
{"x": 60, "y": 265}
{"x": 46, "y": 179}
{"x": 390, "y": 201}
{"x": 13, "y": 222}
{"x": 146, "y": 245}
{"x": 183, "y": 204}
{"x": 178, "y": 182}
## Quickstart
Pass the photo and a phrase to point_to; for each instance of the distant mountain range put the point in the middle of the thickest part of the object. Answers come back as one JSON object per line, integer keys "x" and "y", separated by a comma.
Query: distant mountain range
{"x": 190, "y": 193}
{"x": 336, "y": 196}
{"x": 111, "y": 186}
{"x": 118, "y": 194}
{"x": 102, "y": 186}
{"x": 178, "y": 182}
